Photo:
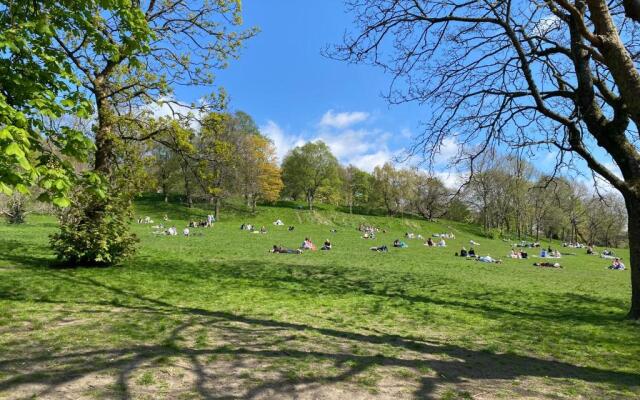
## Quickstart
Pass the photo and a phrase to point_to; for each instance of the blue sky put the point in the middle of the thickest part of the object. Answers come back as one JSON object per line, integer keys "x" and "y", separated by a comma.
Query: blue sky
{"x": 295, "y": 94}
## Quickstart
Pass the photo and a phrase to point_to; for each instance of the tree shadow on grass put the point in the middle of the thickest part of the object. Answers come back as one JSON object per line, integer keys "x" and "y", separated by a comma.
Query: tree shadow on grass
{"x": 267, "y": 343}
{"x": 332, "y": 279}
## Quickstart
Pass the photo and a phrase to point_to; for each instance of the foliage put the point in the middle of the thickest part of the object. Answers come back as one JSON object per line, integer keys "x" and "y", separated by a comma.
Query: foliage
{"x": 15, "y": 209}
{"x": 556, "y": 76}
{"x": 310, "y": 169}
{"x": 95, "y": 230}
{"x": 37, "y": 89}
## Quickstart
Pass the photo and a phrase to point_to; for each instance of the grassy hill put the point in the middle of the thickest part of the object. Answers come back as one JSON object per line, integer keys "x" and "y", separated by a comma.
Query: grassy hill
{"x": 216, "y": 316}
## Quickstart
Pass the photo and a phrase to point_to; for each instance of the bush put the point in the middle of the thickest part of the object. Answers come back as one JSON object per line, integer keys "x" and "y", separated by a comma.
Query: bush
{"x": 492, "y": 233}
{"x": 15, "y": 210}
{"x": 94, "y": 230}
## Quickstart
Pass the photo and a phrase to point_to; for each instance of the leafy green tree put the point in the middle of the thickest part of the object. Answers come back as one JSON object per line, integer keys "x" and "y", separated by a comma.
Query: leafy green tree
{"x": 129, "y": 55}
{"x": 309, "y": 169}
{"x": 356, "y": 186}
{"x": 430, "y": 196}
{"x": 36, "y": 88}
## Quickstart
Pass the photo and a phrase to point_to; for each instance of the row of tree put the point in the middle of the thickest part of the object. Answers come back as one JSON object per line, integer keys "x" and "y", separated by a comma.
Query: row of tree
{"x": 229, "y": 158}
{"x": 225, "y": 156}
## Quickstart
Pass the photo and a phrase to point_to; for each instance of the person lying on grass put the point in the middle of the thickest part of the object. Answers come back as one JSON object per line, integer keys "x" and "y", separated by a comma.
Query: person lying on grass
{"x": 617, "y": 265}
{"x": 547, "y": 265}
{"x": 380, "y": 249}
{"x": 326, "y": 245}
{"x": 284, "y": 250}
{"x": 488, "y": 259}
{"x": 400, "y": 244}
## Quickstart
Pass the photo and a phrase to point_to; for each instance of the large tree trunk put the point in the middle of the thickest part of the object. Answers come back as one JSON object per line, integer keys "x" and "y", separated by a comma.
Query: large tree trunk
{"x": 216, "y": 210}
{"x": 187, "y": 186}
{"x": 310, "y": 200}
{"x": 165, "y": 191}
{"x": 103, "y": 140}
{"x": 633, "y": 209}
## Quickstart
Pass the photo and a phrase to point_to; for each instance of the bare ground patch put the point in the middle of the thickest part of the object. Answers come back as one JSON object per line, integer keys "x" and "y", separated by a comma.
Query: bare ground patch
{"x": 216, "y": 355}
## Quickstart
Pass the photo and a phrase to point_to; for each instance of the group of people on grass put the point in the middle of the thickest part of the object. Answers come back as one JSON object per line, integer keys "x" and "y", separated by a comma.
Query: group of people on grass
{"x": 307, "y": 244}
{"x": 253, "y": 229}
{"x": 444, "y": 235}
{"x": 369, "y": 232}
{"x": 431, "y": 243}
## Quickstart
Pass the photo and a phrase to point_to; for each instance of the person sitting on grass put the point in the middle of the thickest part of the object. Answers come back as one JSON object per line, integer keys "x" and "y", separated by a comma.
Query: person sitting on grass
{"x": 547, "y": 265}
{"x": 308, "y": 245}
{"x": 617, "y": 264}
{"x": 429, "y": 243}
{"x": 326, "y": 245}
{"x": 543, "y": 253}
{"x": 464, "y": 252}
{"x": 590, "y": 250}
{"x": 400, "y": 244}
{"x": 291, "y": 228}
{"x": 186, "y": 232}
{"x": 379, "y": 249}
{"x": 514, "y": 254}
{"x": 284, "y": 250}
{"x": 442, "y": 243}
{"x": 472, "y": 252}
{"x": 172, "y": 231}
{"x": 263, "y": 229}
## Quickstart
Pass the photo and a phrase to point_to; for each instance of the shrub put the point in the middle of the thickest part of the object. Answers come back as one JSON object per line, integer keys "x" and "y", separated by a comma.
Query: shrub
{"x": 492, "y": 233}
{"x": 15, "y": 210}
{"x": 94, "y": 230}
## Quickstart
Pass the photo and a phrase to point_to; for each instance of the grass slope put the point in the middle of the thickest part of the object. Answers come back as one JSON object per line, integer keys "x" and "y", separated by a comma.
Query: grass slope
{"x": 216, "y": 316}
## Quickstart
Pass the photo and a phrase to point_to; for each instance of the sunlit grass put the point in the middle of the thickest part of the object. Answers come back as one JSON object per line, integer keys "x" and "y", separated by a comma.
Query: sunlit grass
{"x": 216, "y": 310}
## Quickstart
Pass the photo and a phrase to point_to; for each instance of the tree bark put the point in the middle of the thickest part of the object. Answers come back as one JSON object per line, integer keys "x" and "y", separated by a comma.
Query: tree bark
{"x": 103, "y": 140}
{"x": 633, "y": 209}
{"x": 310, "y": 200}
{"x": 216, "y": 211}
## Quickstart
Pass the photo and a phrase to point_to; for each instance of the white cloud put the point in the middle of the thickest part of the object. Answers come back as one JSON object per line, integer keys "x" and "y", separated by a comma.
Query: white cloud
{"x": 281, "y": 140}
{"x": 367, "y": 162}
{"x": 449, "y": 149}
{"x": 452, "y": 180}
{"x": 364, "y": 148}
{"x": 546, "y": 24}
{"x": 342, "y": 120}
{"x": 172, "y": 108}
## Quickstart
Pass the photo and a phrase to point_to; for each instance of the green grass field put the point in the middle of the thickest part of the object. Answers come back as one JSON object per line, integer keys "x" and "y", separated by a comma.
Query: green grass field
{"x": 215, "y": 316}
